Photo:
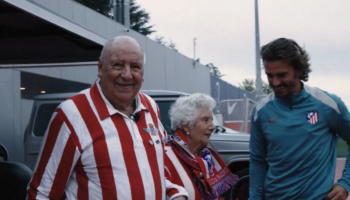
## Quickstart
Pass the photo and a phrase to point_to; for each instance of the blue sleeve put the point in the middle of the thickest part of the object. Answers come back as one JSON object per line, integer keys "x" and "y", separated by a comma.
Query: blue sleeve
{"x": 342, "y": 122}
{"x": 257, "y": 169}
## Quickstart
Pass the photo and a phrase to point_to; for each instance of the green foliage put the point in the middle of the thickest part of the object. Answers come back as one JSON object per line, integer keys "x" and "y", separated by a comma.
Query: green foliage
{"x": 266, "y": 89}
{"x": 170, "y": 44}
{"x": 249, "y": 85}
{"x": 214, "y": 70}
{"x": 139, "y": 18}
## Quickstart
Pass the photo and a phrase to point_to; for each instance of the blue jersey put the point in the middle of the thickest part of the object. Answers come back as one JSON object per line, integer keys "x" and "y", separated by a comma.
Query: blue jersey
{"x": 293, "y": 145}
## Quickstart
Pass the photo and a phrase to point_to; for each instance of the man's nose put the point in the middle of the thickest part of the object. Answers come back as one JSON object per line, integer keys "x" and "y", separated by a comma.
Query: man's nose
{"x": 127, "y": 73}
{"x": 276, "y": 82}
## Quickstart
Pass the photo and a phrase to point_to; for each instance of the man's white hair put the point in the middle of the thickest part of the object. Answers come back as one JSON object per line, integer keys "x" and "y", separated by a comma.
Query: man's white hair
{"x": 186, "y": 109}
{"x": 110, "y": 42}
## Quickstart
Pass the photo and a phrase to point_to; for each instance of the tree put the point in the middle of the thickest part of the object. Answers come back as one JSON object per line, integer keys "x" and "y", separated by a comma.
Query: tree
{"x": 214, "y": 70}
{"x": 102, "y": 6}
{"x": 139, "y": 18}
{"x": 160, "y": 40}
{"x": 172, "y": 45}
{"x": 249, "y": 85}
{"x": 266, "y": 89}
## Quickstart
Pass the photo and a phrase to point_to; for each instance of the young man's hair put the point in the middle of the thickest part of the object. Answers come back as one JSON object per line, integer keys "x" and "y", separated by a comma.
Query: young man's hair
{"x": 287, "y": 50}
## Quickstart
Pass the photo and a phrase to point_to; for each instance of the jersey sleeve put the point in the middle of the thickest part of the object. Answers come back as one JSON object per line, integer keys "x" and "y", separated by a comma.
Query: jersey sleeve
{"x": 172, "y": 188}
{"x": 342, "y": 127}
{"x": 59, "y": 153}
{"x": 257, "y": 169}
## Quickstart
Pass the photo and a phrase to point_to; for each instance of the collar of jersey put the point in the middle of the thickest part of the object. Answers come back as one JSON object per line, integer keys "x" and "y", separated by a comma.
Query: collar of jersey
{"x": 296, "y": 98}
{"x": 106, "y": 109}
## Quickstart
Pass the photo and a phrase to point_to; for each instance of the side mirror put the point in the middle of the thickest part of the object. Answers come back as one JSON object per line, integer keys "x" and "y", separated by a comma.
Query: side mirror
{"x": 4, "y": 153}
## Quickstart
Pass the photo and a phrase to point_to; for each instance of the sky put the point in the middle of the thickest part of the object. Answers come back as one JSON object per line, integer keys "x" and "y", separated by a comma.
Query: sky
{"x": 225, "y": 32}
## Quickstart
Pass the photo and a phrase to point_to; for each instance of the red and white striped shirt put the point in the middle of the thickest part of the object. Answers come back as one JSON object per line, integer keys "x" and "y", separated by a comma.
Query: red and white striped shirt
{"x": 92, "y": 151}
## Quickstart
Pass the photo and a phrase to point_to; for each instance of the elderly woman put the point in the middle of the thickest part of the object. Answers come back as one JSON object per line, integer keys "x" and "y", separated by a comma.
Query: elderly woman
{"x": 189, "y": 162}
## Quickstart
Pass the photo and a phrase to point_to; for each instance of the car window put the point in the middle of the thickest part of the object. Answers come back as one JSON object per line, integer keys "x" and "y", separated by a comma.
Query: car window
{"x": 43, "y": 117}
{"x": 164, "y": 107}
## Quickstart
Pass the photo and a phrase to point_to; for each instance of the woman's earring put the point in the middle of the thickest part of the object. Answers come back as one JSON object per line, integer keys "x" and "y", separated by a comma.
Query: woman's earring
{"x": 187, "y": 133}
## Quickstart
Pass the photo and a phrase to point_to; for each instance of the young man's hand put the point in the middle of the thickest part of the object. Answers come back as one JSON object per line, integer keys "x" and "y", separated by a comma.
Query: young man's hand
{"x": 337, "y": 193}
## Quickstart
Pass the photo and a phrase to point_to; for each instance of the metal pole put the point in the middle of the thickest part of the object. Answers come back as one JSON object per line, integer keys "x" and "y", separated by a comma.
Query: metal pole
{"x": 194, "y": 52}
{"x": 257, "y": 51}
{"x": 126, "y": 17}
{"x": 245, "y": 125}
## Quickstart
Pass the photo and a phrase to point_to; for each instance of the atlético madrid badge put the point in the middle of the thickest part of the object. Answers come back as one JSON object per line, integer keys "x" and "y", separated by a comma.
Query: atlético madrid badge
{"x": 312, "y": 116}
{"x": 151, "y": 129}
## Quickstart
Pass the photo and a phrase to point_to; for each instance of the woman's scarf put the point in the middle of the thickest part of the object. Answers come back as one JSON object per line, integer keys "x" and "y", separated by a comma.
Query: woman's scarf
{"x": 211, "y": 175}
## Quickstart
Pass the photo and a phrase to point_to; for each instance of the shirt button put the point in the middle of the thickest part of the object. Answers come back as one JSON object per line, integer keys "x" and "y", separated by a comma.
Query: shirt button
{"x": 151, "y": 142}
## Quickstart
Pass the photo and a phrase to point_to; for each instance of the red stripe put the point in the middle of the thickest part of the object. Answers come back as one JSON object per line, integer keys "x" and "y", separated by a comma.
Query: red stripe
{"x": 63, "y": 170}
{"x": 151, "y": 154}
{"x": 52, "y": 135}
{"x": 83, "y": 181}
{"x": 98, "y": 102}
{"x": 127, "y": 144}
{"x": 103, "y": 163}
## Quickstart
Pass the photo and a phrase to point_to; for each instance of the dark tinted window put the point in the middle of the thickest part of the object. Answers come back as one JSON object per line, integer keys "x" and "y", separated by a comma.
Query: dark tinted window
{"x": 164, "y": 107}
{"x": 43, "y": 117}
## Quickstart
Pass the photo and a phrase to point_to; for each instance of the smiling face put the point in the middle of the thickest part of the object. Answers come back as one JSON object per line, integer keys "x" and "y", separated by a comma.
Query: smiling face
{"x": 203, "y": 128}
{"x": 283, "y": 79}
{"x": 121, "y": 71}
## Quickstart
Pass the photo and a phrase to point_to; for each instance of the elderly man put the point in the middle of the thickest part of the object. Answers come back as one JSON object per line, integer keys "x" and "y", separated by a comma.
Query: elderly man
{"x": 97, "y": 145}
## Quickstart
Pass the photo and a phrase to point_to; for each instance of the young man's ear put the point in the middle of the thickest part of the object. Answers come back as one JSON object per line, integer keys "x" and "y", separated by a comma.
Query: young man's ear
{"x": 100, "y": 65}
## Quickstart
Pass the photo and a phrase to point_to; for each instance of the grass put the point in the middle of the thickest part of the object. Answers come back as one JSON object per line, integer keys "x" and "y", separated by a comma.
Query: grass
{"x": 342, "y": 148}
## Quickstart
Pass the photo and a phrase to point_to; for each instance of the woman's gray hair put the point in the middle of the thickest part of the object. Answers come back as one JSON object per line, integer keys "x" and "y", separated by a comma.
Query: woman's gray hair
{"x": 186, "y": 109}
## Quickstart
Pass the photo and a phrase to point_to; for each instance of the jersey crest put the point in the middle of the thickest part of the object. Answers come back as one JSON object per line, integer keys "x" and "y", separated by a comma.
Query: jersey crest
{"x": 151, "y": 129}
{"x": 312, "y": 116}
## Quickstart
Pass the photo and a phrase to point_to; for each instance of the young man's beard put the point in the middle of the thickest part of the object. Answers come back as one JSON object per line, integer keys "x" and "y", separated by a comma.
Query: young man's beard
{"x": 289, "y": 88}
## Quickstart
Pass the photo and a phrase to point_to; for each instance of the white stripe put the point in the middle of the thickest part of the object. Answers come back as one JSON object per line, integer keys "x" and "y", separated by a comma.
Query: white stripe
{"x": 87, "y": 157}
{"x": 217, "y": 165}
{"x": 262, "y": 103}
{"x": 159, "y": 151}
{"x": 72, "y": 185}
{"x": 323, "y": 97}
{"x": 142, "y": 160}
{"x": 116, "y": 156}
{"x": 182, "y": 173}
{"x": 43, "y": 142}
{"x": 54, "y": 161}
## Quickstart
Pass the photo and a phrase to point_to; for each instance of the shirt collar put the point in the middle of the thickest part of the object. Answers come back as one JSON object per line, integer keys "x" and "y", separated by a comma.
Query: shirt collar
{"x": 105, "y": 108}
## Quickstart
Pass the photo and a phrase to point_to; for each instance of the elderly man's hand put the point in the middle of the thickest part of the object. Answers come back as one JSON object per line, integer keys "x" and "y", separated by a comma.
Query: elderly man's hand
{"x": 337, "y": 193}
{"x": 180, "y": 198}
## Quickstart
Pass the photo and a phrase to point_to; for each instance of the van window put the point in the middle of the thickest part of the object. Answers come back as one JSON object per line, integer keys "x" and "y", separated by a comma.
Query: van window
{"x": 43, "y": 117}
{"x": 164, "y": 107}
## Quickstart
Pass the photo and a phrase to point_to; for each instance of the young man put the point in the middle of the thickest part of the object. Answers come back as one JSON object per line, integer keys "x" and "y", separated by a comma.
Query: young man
{"x": 294, "y": 132}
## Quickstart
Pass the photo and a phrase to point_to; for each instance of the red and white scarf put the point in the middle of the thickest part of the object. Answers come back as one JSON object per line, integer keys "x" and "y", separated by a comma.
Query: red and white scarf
{"x": 211, "y": 175}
